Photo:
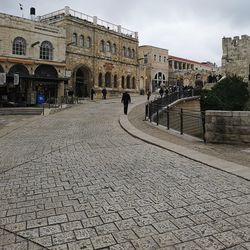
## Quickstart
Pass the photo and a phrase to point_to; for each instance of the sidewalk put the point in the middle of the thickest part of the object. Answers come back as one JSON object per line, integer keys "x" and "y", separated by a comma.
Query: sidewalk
{"x": 234, "y": 159}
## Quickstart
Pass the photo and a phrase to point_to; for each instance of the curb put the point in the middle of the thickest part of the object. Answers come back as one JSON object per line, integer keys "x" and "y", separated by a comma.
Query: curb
{"x": 211, "y": 161}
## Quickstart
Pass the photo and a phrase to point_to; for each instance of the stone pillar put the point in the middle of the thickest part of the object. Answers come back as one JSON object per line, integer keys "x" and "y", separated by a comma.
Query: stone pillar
{"x": 67, "y": 9}
{"x": 95, "y": 20}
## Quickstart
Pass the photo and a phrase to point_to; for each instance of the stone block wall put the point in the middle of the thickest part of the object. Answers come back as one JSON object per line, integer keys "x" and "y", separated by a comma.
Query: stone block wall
{"x": 230, "y": 127}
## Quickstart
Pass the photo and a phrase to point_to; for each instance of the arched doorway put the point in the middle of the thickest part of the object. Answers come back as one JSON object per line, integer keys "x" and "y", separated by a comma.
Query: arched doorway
{"x": 17, "y": 91}
{"x": 46, "y": 82}
{"x": 82, "y": 82}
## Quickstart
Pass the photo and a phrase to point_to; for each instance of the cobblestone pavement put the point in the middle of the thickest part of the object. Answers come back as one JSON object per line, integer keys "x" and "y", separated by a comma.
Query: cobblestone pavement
{"x": 76, "y": 180}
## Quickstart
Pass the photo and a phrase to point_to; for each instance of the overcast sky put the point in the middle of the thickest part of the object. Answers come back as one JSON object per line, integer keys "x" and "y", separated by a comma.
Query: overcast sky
{"x": 191, "y": 29}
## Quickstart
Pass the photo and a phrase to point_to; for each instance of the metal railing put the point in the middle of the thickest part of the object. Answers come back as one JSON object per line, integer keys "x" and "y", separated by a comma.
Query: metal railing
{"x": 185, "y": 121}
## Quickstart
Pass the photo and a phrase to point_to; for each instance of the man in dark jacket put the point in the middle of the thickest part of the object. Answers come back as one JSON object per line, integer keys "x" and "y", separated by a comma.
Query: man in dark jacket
{"x": 126, "y": 100}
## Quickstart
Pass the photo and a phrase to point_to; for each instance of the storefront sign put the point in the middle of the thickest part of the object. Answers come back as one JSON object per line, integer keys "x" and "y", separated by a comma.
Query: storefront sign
{"x": 2, "y": 78}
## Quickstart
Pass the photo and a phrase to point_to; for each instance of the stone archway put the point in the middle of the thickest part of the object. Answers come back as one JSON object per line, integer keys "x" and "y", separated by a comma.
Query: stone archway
{"x": 82, "y": 81}
{"x": 18, "y": 93}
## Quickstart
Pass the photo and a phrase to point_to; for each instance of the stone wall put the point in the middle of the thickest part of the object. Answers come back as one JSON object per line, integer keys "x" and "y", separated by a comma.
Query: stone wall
{"x": 231, "y": 127}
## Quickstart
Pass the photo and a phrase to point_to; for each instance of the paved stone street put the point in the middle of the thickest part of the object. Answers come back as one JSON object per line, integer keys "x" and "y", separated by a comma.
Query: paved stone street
{"x": 77, "y": 180}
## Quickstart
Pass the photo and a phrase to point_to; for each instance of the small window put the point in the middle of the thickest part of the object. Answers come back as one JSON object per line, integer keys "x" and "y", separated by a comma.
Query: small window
{"x": 114, "y": 49}
{"x": 164, "y": 59}
{"x": 102, "y": 46}
{"x": 124, "y": 51}
{"x": 108, "y": 46}
{"x": 81, "y": 41}
{"x": 133, "y": 53}
{"x": 159, "y": 58}
{"x": 123, "y": 82}
{"x": 46, "y": 50}
{"x": 88, "y": 42}
{"x": 154, "y": 57}
{"x": 133, "y": 83}
{"x": 19, "y": 46}
{"x": 145, "y": 59}
{"x": 74, "y": 39}
{"x": 129, "y": 53}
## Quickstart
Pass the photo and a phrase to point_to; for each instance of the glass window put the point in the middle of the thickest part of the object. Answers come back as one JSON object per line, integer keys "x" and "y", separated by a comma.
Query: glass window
{"x": 164, "y": 59}
{"x": 154, "y": 57}
{"x": 145, "y": 59}
{"x": 159, "y": 58}
{"x": 108, "y": 79}
{"x": 19, "y": 46}
{"x": 46, "y": 50}
{"x": 123, "y": 82}
{"x": 102, "y": 46}
{"x": 129, "y": 53}
{"x": 74, "y": 39}
{"x": 88, "y": 42}
{"x": 133, "y": 53}
{"x": 81, "y": 41}
{"x": 128, "y": 82}
{"x": 108, "y": 46}
{"x": 124, "y": 51}
{"x": 114, "y": 49}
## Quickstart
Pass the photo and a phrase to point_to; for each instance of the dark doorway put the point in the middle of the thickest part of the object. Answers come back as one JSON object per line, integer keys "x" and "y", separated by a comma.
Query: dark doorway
{"x": 82, "y": 84}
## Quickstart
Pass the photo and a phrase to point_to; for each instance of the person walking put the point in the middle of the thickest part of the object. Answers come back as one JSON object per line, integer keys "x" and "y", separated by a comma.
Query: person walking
{"x": 126, "y": 100}
{"x": 104, "y": 93}
{"x": 92, "y": 93}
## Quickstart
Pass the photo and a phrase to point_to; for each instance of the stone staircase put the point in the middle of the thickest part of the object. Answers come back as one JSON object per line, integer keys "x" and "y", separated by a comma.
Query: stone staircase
{"x": 21, "y": 111}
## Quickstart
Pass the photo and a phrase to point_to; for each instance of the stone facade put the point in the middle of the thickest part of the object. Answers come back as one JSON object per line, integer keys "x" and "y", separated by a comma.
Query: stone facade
{"x": 232, "y": 127}
{"x": 153, "y": 67}
{"x": 236, "y": 56}
{"x": 98, "y": 53}
{"x": 20, "y": 53}
{"x": 187, "y": 72}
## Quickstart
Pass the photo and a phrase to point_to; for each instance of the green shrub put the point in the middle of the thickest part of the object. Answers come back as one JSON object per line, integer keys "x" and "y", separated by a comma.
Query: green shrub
{"x": 230, "y": 93}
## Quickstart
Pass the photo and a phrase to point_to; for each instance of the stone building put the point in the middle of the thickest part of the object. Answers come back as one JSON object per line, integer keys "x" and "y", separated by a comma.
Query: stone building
{"x": 187, "y": 72}
{"x": 153, "y": 63}
{"x": 32, "y": 60}
{"x": 98, "y": 53}
{"x": 236, "y": 56}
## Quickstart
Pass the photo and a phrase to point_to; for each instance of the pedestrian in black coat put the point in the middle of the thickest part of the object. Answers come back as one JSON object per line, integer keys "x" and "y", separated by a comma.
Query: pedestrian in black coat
{"x": 126, "y": 100}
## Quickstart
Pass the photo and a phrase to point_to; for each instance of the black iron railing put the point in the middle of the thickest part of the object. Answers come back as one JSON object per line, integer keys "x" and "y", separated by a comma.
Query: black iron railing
{"x": 190, "y": 122}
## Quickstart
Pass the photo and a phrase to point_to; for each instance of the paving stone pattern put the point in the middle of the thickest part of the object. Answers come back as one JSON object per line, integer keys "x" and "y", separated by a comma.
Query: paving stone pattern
{"x": 76, "y": 180}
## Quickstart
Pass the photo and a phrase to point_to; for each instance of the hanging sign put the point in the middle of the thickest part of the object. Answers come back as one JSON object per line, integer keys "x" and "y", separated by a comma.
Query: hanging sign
{"x": 2, "y": 78}
{"x": 16, "y": 79}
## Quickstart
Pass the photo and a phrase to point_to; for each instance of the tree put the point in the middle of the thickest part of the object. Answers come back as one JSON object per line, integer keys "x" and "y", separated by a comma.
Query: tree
{"x": 231, "y": 93}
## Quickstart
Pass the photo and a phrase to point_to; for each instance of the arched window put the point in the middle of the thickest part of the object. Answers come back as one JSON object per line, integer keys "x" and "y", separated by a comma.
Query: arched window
{"x": 108, "y": 79}
{"x": 88, "y": 42}
{"x": 108, "y": 47}
{"x": 123, "y": 82}
{"x": 128, "y": 82}
{"x": 100, "y": 80}
{"x": 129, "y": 53}
{"x": 19, "y": 46}
{"x": 159, "y": 80}
{"x": 133, "y": 83}
{"x": 102, "y": 46}
{"x": 115, "y": 81}
{"x": 114, "y": 49}
{"x": 133, "y": 53}
{"x": 46, "y": 50}
{"x": 81, "y": 41}
{"x": 74, "y": 39}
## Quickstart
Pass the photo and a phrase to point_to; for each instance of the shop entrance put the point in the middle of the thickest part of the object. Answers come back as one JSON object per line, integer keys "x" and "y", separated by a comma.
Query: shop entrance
{"x": 82, "y": 82}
